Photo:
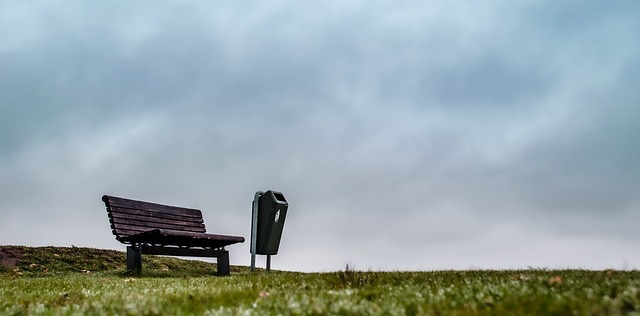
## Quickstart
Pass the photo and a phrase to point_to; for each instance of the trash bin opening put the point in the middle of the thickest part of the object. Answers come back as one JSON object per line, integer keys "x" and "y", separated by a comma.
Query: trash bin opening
{"x": 279, "y": 196}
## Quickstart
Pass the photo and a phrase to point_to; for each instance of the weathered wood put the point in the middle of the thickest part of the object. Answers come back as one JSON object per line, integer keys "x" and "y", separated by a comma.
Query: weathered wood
{"x": 118, "y": 211}
{"x": 121, "y": 233}
{"x": 153, "y": 220}
{"x": 129, "y": 224}
{"x": 182, "y": 238}
{"x": 112, "y": 201}
{"x": 153, "y": 228}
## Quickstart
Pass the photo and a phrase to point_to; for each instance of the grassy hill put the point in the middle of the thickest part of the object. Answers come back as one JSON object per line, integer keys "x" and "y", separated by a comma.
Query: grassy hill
{"x": 42, "y": 261}
{"x": 54, "y": 280}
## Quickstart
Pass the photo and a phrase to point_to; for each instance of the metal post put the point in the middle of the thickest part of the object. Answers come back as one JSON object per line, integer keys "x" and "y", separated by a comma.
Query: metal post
{"x": 268, "y": 263}
{"x": 223, "y": 263}
{"x": 254, "y": 228}
{"x": 134, "y": 258}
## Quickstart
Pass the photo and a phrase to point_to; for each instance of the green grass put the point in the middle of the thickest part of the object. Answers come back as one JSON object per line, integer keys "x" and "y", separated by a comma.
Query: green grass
{"x": 61, "y": 285}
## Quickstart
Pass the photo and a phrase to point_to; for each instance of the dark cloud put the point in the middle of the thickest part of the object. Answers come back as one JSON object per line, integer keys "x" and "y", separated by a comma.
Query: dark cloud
{"x": 447, "y": 135}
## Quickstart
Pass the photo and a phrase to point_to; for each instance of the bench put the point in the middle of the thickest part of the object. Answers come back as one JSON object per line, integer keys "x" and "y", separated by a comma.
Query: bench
{"x": 157, "y": 229}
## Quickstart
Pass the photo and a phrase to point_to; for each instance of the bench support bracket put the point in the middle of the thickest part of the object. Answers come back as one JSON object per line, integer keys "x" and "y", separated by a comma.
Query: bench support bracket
{"x": 134, "y": 258}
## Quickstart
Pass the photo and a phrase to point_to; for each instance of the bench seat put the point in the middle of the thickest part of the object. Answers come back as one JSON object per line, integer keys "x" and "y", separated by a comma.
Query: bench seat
{"x": 166, "y": 237}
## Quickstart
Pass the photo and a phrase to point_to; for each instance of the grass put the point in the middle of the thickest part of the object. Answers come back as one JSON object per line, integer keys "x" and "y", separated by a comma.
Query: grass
{"x": 91, "y": 281}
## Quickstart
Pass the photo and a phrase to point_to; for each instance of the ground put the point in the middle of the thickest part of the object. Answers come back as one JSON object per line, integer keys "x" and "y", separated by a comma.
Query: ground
{"x": 9, "y": 255}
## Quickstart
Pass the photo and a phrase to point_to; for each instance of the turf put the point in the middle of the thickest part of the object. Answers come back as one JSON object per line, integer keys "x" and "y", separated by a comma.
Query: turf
{"x": 91, "y": 281}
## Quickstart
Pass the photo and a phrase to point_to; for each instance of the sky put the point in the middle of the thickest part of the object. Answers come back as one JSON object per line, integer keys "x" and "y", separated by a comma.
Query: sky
{"x": 405, "y": 135}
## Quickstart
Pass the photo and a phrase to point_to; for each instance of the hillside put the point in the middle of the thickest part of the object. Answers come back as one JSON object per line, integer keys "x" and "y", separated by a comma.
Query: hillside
{"x": 64, "y": 281}
{"x": 57, "y": 260}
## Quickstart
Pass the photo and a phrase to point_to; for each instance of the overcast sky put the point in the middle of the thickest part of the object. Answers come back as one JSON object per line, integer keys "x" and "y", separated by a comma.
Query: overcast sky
{"x": 409, "y": 135}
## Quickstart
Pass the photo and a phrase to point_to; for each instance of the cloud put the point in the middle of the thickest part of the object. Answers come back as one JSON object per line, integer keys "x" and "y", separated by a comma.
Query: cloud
{"x": 450, "y": 135}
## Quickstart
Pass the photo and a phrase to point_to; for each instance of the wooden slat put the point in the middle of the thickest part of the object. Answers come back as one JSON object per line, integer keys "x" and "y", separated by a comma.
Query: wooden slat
{"x": 125, "y": 232}
{"x": 128, "y": 231}
{"x": 181, "y": 238}
{"x": 122, "y": 234}
{"x": 146, "y": 214}
{"x": 133, "y": 226}
{"x": 149, "y": 219}
{"x": 119, "y": 223}
{"x": 123, "y": 224}
{"x": 112, "y": 201}
{"x": 174, "y": 233}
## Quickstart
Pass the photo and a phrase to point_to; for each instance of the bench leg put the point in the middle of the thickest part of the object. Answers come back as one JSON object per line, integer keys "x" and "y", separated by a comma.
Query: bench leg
{"x": 134, "y": 259}
{"x": 223, "y": 264}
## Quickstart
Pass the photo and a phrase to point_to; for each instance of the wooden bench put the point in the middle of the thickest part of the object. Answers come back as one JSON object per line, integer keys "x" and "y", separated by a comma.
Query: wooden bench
{"x": 158, "y": 229}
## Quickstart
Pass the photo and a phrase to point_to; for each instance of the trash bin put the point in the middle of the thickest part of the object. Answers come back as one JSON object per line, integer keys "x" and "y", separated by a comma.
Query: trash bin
{"x": 272, "y": 211}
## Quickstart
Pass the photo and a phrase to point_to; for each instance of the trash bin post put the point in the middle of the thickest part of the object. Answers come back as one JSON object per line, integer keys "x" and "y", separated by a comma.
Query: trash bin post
{"x": 268, "y": 263}
{"x": 254, "y": 228}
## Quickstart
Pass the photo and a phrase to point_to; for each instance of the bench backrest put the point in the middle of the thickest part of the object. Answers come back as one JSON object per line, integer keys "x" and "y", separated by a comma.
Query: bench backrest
{"x": 129, "y": 217}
